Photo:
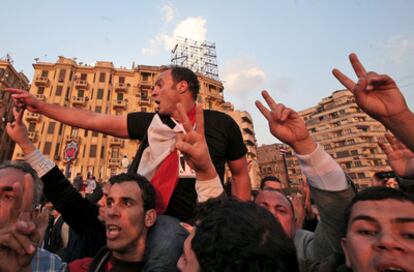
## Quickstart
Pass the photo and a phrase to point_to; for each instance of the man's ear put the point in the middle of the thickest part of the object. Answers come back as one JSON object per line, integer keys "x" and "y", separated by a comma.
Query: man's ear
{"x": 182, "y": 86}
{"x": 345, "y": 250}
{"x": 150, "y": 218}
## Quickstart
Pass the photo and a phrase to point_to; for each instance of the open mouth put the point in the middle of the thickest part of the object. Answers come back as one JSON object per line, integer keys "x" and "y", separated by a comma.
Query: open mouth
{"x": 112, "y": 232}
{"x": 392, "y": 269}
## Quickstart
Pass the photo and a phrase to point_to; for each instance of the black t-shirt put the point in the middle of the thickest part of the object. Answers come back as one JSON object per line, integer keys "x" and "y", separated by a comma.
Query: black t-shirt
{"x": 225, "y": 143}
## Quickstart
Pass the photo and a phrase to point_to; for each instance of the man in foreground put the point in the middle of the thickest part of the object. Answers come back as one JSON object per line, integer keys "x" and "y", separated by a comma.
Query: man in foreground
{"x": 21, "y": 225}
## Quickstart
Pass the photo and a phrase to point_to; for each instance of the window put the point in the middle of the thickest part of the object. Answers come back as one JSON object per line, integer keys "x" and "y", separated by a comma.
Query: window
{"x": 62, "y": 74}
{"x": 361, "y": 175}
{"x": 45, "y": 73}
{"x": 81, "y": 93}
{"x": 342, "y": 154}
{"x": 98, "y": 109}
{"x": 354, "y": 152}
{"x": 352, "y": 175}
{"x": 47, "y": 148}
{"x": 101, "y": 77}
{"x": 51, "y": 128}
{"x": 119, "y": 96}
{"x": 145, "y": 76}
{"x": 92, "y": 151}
{"x": 358, "y": 163}
{"x": 95, "y": 134}
{"x": 83, "y": 76}
{"x": 59, "y": 89}
{"x": 115, "y": 153}
{"x": 41, "y": 90}
{"x": 100, "y": 94}
{"x": 32, "y": 126}
{"x": 122, "y": 80}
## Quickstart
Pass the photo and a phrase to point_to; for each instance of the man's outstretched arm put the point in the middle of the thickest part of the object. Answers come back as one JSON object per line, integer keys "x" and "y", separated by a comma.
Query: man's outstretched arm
{"x": 115, "y": 125}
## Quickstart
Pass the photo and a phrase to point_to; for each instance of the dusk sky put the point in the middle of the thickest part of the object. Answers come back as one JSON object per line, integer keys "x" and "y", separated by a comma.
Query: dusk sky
{"x": 286, "y": 47}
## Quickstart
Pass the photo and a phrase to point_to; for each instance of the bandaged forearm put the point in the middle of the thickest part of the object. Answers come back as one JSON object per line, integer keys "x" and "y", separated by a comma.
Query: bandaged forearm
{"x": 322, "y": 171}
{"x": 207, "y": 189}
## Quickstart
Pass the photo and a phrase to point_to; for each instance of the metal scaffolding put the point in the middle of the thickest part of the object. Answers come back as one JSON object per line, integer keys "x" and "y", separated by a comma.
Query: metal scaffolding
{"x": 198, "y": 56}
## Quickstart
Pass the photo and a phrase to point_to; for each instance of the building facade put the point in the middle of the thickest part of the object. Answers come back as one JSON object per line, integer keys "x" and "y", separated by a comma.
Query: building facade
{"x": 279, "y": 160}
{"x": 101, "y": 88}
{"x": 349, "y": 135}
{"x": 272, "y": 162}
{"x": 245, "y": 122}
{"x": 9, "y": 78}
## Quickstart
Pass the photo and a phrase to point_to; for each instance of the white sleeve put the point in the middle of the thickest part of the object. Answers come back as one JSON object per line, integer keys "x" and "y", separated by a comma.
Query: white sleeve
{"x": 39, "y": 162}
{"x": 207, "y": 189}
{"x": 322, "y": 171}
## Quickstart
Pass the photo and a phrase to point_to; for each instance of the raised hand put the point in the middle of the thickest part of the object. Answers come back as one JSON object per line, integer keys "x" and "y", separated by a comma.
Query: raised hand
{"x": 378, "y": 95}
{"x": 194, "y": 146}
{"x": 286, "y": 125}
{"x": 17, "y": 131}
{"x": 24, "y": 99}
{"x": 400, "y": 158}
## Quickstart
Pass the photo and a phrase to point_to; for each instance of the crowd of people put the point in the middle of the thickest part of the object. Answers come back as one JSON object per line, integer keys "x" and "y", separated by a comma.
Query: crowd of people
{"x": 169, "y": 210}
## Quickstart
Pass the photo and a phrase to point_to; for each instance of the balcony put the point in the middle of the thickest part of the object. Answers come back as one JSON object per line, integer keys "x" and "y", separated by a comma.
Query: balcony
{"x": 32, "y": 135}
{"x": 145, "y": 84}
{"x": 41, "y": 97}
{"x": 114, "y": 162}
{"x": 81, "y": 84}
{"x": 116, "y": 142}
{"x": 41, "y": 81}
{"x": 215, "y": 95}
{"x": 79, "y": 101}
{"x": 121, "y": 87}
{"x": 69, "y": 138}
{"x": 145, "y": 101}
{"x": 120, "y": 104}
{"x": 32, "y": 117}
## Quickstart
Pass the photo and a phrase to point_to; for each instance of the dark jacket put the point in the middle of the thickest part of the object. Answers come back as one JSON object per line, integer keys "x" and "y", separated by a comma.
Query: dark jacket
{"x": 79, "y": 213}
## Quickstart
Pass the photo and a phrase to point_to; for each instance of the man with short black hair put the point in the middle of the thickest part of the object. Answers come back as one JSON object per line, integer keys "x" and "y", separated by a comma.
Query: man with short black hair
{"x": 271, "y": 182}
{"x": 246, "y": 238}
{"x": 379, "y": 232}
{"x": 129, "y": 214}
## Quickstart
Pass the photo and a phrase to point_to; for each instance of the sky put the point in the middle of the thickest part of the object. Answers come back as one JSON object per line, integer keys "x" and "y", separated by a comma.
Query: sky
{"x": 286, "y": 47}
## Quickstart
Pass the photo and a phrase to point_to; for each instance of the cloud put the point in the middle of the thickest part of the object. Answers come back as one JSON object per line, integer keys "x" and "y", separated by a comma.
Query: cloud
{"x": 398, "y": 48}
{"x": 168, "y": 12}
{"x": 242, "y": 76}
{"x": 193, "y": 28}
{"x": 156, "y": 44}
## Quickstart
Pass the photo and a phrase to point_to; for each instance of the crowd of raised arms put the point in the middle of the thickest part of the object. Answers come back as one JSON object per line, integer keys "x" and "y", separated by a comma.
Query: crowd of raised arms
{"x": 170, "y": 212}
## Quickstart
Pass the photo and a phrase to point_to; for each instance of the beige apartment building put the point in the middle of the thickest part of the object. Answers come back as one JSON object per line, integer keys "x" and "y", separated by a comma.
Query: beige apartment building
{"x": 245, "y": 122}
{"x": 102, "y": 88}
{"x": 349, "y": 135}
{"x": 9, "y": 78}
